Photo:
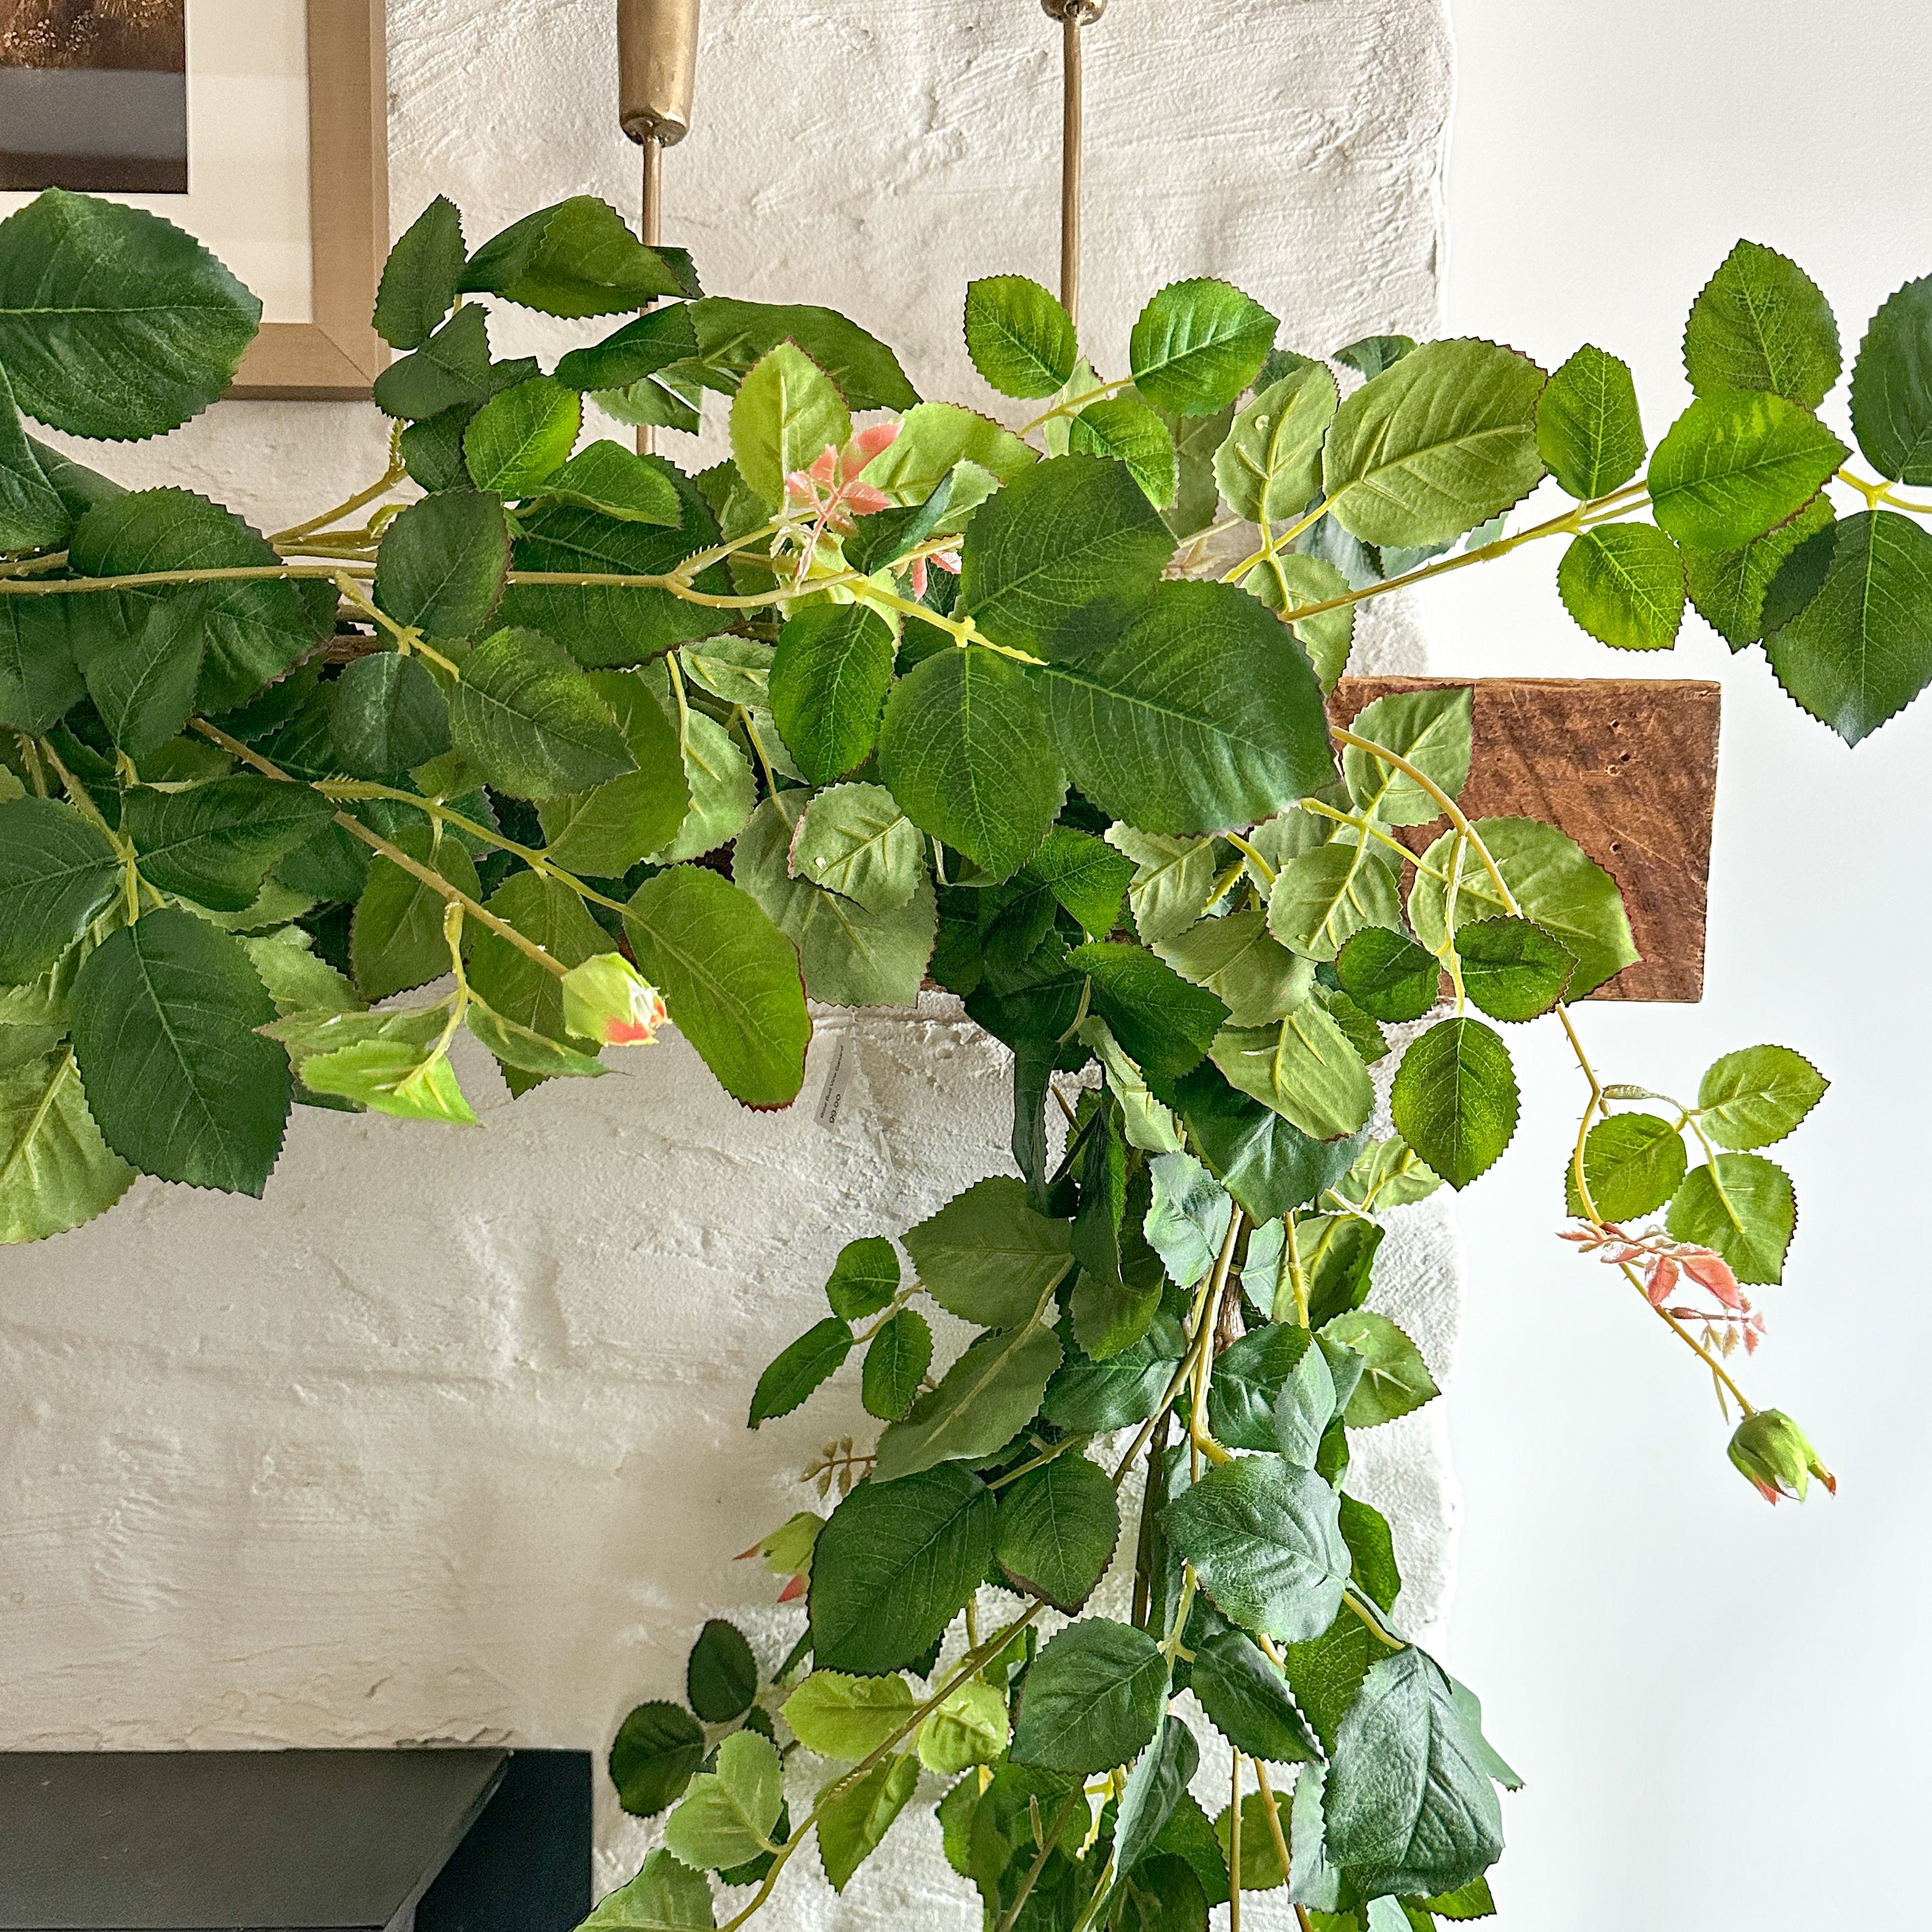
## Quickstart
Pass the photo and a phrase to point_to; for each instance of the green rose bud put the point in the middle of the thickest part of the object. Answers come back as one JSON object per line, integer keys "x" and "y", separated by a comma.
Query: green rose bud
{"x": 1776, "y": 1455}
{"x": 607, "y": 1000}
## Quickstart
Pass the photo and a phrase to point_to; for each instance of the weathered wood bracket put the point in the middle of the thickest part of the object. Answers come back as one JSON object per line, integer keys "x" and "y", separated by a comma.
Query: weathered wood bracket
{"x": 1628, "y": 768}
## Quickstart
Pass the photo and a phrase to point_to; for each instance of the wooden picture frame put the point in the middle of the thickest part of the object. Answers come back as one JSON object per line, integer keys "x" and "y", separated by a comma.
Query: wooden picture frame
{"x": 336, "y": 356}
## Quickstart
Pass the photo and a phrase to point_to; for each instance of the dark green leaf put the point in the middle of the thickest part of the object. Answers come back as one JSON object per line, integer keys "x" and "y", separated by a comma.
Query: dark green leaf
{"x": 982, "y": 1401}
{"x": 531, "y": 722}
{"x": 893, "y": 1566}
{"x": 389, "y": 716}
{"x": 658, "y": 1748}
{"x": 1372, "y": 1544}
{"x": 1267, "y": 1163}
{"x": 1742, "y": 1206}
{"x": 396, "y": 940}
{"x": 1513, "y": 969}
{"x": 1730, "y": 586}
{"x": 33, "y": 515}
{"x": 39, "y": 677}
{"x": 864, "y": 1279}
{"x": 1265, "y": 1539}
{"x": 1862, "y": 649}
{"x": 1249, "y": 1377}
{"x": 1154, "y": 1787}
{"x": 145, "y": 685}
{"x": 1325, "y": 1674}
{"x": 1372, "y": 354}
{"x": 721, "y": 1677}
{"x": 1389, "y": 976}
{"x": 1588, "y": 429}
{"x": 1454, "y": 1099}
{"x": 730, "y": 978}
{"x": 214, "y": 843}
{"x": 113, "y": 322}
{"x": 1247, "y": 1701}
{"x": 450, "y": 371}
{"x": 1056, "y": 1530}
{"x": 1198, "y": 344}
{"x": 1196, "y": 720}
{"x": 1058, "y": 564}
{"x": 896, "y": 1361}
{"x": 800, "y": 1368}
{"x": 57, "y": 872}
{"x": 965, "y": 750}
{"x": 1761, "y": 322}
{"x": 182, "y": 1084}
{"x": 1409, "y": 1807}
{"x": 421, "y": 277}
{"x": 829, "y": 676}
{"x": 1094, "y": 1397}
{"x": 606, "y": 830}
{"x": 1736, "y": 463}
{"x": 1632, "y": 1165}
{"x": 1093, "y": 1699}
{"x": 1624, "y": 583}
{"x": 548, "y": 912}
{"x": 732, "y": 336}
{"x": 576, "y": 258}
{"x": 1018, "y": 336}
{"x": 1892, "y": 386}
{"x": 641, "y": 348}
{"x": 1085, "y": 875}
{"x": 1162, "y": 1022}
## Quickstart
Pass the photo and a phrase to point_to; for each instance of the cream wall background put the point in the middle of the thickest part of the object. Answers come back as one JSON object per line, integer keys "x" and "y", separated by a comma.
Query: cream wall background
{"x": 444, "y": 1440}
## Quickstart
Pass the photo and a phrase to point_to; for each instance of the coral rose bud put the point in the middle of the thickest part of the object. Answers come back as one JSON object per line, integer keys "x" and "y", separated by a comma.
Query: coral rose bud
{"x": 607, "y": 1000}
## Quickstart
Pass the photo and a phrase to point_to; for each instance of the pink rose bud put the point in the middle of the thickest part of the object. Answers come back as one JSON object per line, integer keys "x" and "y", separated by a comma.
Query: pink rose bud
{"x": 607, "y": 1000}
{"x": 1774, "y": 1454}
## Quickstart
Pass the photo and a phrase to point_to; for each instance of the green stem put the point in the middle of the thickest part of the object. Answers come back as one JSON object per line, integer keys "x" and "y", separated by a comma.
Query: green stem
{"x": 1078, "y": 1795}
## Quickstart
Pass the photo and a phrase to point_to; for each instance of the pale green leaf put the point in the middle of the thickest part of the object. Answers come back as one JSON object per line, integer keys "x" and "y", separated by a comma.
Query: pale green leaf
{"x": 786, "y": 414}
{"x": 1756, "y": 1096}
{"x": 1319, "y": 901}
{"x": 1761, "y": 322}
{"x": 1742, "y": 1206}
{"x": 1270, "y": 467}
{"x": 853, "y": 840}
{"x": 1430, "y": 730}
{"x": 1304, "y": 1069}
{"x": 1624, "y": 585}
{"x": 848, "y": 1718}
{"x": 55, "y": 1171}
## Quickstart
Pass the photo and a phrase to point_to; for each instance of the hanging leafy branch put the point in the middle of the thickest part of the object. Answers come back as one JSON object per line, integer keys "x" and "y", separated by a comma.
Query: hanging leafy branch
{"x": 1038, "y": 716}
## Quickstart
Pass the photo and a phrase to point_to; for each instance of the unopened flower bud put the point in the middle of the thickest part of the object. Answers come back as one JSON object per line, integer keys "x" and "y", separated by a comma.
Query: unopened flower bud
{"x": 607, "y": 1000}
{"x": 1773, "y": 1453}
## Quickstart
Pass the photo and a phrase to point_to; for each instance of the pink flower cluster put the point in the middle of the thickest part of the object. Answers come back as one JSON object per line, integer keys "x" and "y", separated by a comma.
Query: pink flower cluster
{"x": 1665, "y": 1264}
{"x": 832, "y": 490}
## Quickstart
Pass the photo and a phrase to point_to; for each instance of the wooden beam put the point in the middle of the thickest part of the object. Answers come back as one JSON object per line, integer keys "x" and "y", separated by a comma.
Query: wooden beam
{"x": 1628, "y": 768}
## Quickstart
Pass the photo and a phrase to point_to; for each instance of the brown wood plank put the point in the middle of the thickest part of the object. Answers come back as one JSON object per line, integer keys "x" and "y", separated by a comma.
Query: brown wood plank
{"x": 1627, "y": 767}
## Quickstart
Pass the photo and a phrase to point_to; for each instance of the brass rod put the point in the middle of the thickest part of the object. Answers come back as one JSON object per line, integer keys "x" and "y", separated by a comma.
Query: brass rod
{"x": 652, "y": 226}
{"x": 1070, "y": 24}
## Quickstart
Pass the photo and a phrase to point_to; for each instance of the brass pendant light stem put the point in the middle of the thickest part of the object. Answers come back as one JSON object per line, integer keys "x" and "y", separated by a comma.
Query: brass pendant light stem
{"x": 1072, "y": 16}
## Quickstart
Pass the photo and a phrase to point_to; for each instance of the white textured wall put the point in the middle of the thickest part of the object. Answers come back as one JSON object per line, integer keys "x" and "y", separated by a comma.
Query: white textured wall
{"x": 444, "y": 1439}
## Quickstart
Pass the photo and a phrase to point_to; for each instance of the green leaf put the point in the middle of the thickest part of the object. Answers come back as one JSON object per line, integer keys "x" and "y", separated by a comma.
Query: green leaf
{"x": 530, "y": 722}
{"x": 721, "y": 1677}
{"x": 1374, "y": 353}
{"x": 606, "y": 831}
{"x": 727, "y": 1817}
{"x": 1270, "y": 467}
{"x": 896, "y": 1361}
{"x": 1320, "y": 900}
{"x": 1512, "y": 969}
{"x": 1624, "y": 583}
{"x": 1438, "y": 444}
{"x": 1268, "y": 1163}
{"x": 1258, "y": 980}
{"x": 420, "y": 278}
{"x": 1018, "y": 336}
{"x": 855, "y": 1822}
{"x": 988, "y": 1395}
{"x": 1632, "y": 1165}
{"x": 830, "y": 677}
{"x": 1304, "y": 1069}
{"x": 508, "y": 979}
{"x": 522, "y": 1049}
{"x": 1093, "y": 1699}
{"x": 39, "y": 678}
{"x": 1056, "y": 1530}
{"x": 389, "y": 716}
{"x": 730, "y": 978}
{"x": 787, "y": 412}
{"x": 864, "y": 1279}
{"x": 893, "y": 1566}
{"x": 1862, "y": 649}
{"x": 851, "y": 956}
{"x": 521, "y": 436}
{"x": 1454, "y": 1098}
{"x": 214, "y": 843}
{"x": 1761, "y": 322}
{"x": 450, "y": 371}
{"x": 393, "y": 1077}
{"x": 1249, "y": 1376}
{"x": 1092, "y": 1396}
{"x": 1197, "y": 499}
{"x": 1730, "y": 587}
{"x": 1892, "y": 386}
{"x": 1553, "y": 883}
{"x": 1058, "y": 563}
{"x": 847, "y": 1717}
{"x": 1173, "y": 879}
{"x": 1736, "y": 463}
{"x": 1431, "y": 731}
{"x": 33, "y": 515}
{"x": 606, "y": 477}
{"x": 57, "y": 872}
{"x": 969, "y": 1727}
{"x": 1756, "y": 1096}
{"x": 252, "y": 632}
{"x": 933, "y": 439}
{"x": 1085, "y": 876}
{"x": 733, "y": 335}
{"x": 1154, "y": 1788}
{"x": 1265, "y": 1539}
{"x": 1338, "y": 1253}
{"x": 652, "y": 343}
{"x": 179, "y": 1081}
{"x": 1198, "y": 344}
{"x": 1247, "y": 1700}
{"x": 1409, "y": 1806}
{"x": 1588, "y": 429}
{"x": 1196, "y": 720}
{"x": 1287, "y": 582}
{"x": 1188, "y": 1219}
{"x": 666, "y": 1896}
{"x": 719, "y": 783}
{"x": 576, "y": 258}
{"x": 812, "y": 1359}
{"x": 657, "y": 1748}
{"x": 55, "y": 1171}
{"x": 114, "y": 323}
{"x": 853, "y": 840}
{"x": 1742, "y": 1206}
{"x": 1390, "y": 977}
{"x": 396, "y": 938}
{"x": 441, "y": 564}
{"x": 1162, "y": 1023}
{"x": 966, "y": 752}
{"x": 1126, "y": 431}
{"x": 1395, "y": 1378}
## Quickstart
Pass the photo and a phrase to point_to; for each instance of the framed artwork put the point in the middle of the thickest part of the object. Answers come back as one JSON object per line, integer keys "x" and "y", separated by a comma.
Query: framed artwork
{"x": 259, "y": 126}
